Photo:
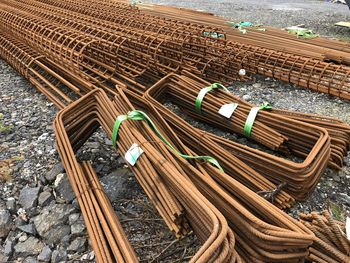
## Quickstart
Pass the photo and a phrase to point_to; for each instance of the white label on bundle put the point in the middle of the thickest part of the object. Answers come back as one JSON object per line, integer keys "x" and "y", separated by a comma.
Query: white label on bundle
{"x": 133, "y": 154}
{"x": 227, "y": 110}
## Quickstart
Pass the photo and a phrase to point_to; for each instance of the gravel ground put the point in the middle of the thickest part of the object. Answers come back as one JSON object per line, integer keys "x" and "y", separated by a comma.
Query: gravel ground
{"x": 319, "y": 16}
{"x": 37, "y": 201}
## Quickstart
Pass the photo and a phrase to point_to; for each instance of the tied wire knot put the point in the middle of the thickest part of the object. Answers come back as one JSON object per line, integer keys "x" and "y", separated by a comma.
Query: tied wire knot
{"x": 270, "y": 195}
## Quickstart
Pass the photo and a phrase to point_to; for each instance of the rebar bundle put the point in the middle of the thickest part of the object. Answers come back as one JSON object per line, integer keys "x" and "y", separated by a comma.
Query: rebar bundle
{"x": 196, "y": 50}
{"x": 152, "y": 169}
{"x": 278, "y": 225}
{"x": 33, "y": 67}
{"x": 300, "y": 70}
{"x": 230, "y": 197}
{"x": 155, "y": 52}
{"x": 303, "y": 140}
{"x": 331, "y": 244}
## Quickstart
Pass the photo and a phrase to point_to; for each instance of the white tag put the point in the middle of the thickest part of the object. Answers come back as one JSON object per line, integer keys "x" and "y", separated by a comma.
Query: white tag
{"x": 133, "y": 154}
{"x": 242, "y": 72}
{"x": 227, "y": 110}
{"x": 347, "y": 228}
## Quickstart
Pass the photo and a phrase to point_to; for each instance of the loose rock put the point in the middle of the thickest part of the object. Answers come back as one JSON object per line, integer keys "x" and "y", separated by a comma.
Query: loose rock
{"x": 58, "y": 256}
{"x": 115, "y": 184}
{"x": 23, "y": 237}
{"x": 5, "y": 222}
{"x": 78, "y": 229}
{"x": 257, "y": 85}
{"x": 11, "y": 204}
{"x": 247, "y": 97}
{"x": 45, "y": 198}
{"x": 32, "y": 246}
{"x": 30, "y": 260}
{"x": 30, "y": 229}
{"x": 8, "y": 248}
{"x": 63, "y": 188}
{"x": 56, "y": 169}
{"x": 52, "y": 222}
{"x": 73, "y": 218}
{"x": 28, "y": 197}
{"x": 345, "y": 198}
{"x": 45, "y": 254}
{"x": 77, "y": 245}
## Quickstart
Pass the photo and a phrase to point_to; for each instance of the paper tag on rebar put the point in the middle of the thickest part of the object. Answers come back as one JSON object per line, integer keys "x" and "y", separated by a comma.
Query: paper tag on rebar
{"x": 133, "y": 154}
{"x": 227, "y": 110}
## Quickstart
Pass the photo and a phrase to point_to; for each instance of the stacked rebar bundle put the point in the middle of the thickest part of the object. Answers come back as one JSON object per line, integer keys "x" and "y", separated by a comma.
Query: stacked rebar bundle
{"x": 33, "y": 67}
{"x": 338, "y": 131}
{"x": 238, "y": 204}
{"x": 300, "y": 70}
{"x": 161, "y": 179}
{"x": 214, "y": 57}
{"x": 303, "y": 140}
{"x": 277, "y": 39}
{"x": 126, "y": 50}
{"x": 276, "y": 228}
{"x": 331, "y": 243}
{"x": 260, "y": 35}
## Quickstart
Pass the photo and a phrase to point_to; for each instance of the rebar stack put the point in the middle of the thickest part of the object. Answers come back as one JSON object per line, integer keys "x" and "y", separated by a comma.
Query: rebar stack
{"x": 153, "y": 168}
{"x": 303, "y": 71}
{"x": 200, "y": 50}
{"x": 303, "y": 140}
{"x": 276, "y": 226}
{"x": 331, "y": 243}
{"x": 33, "y": 67}
{"x": 238, "y": 204}
{"x": 157, "y": 53}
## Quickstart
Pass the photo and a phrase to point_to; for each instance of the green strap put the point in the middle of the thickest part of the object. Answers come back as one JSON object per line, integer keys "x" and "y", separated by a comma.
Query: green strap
{"x": 116, "y": 126}
{"x": 204, "y": 91}
{"x": 248, "y": 126}
{"x": 138, "y": 115}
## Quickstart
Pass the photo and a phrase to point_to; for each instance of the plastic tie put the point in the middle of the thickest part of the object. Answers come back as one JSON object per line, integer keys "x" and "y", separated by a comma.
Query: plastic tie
{"x": 248, "y": 126}
{"x": 204, "y": 91}
{"x": 137, "y": 115}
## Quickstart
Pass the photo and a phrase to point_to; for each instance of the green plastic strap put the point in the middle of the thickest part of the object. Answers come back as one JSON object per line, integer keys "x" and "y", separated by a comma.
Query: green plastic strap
{"x": 302, "y": 32}
{"x": 116, "y": 126}
{"x": 204, "y": 91}
{"x": 248, "y": 126}
{"x": 138, "y": 115}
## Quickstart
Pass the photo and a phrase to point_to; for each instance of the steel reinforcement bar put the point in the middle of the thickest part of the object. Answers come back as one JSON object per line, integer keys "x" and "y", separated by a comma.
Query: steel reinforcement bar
{"x": 304, "y": 140}
{"x": 251, "y": 249}
{"x": 302, "y": 71}
{"x": 210, "y": 226}
{"x": 331, "y": 244}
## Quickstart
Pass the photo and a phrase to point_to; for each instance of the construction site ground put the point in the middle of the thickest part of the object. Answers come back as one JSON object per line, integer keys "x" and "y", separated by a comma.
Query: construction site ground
{"x": 27, "y": 142}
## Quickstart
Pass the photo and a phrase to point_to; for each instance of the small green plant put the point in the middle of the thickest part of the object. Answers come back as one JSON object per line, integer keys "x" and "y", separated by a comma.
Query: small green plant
{"x": 3, "y": 127}
{"x": 337, "y": 211}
